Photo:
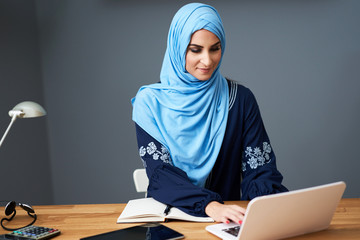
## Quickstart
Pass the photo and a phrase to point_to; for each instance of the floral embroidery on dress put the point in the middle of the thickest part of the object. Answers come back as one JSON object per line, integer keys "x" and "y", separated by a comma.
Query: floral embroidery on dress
{"x": 152, "y": 150}
{"x": 257, "y": 157}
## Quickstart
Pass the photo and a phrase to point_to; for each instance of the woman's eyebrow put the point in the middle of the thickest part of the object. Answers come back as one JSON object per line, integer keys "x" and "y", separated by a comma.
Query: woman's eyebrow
{"x": 196, "y": 45}
{"x": 216, "y": 43}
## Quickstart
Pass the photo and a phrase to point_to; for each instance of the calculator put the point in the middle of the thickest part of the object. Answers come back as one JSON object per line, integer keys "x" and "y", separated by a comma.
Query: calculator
{"x": 32, "y": 233}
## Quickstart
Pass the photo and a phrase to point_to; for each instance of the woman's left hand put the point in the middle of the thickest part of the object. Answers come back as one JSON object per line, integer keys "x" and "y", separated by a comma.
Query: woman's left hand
{"x": 225, "y": 213}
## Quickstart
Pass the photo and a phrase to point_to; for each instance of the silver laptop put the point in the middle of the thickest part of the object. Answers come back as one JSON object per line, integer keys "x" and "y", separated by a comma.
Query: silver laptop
{"x": 284, "y": 215}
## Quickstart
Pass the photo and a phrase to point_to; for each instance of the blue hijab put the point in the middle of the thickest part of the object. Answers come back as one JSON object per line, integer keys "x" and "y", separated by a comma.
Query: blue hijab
{"x": 186, "y": 115}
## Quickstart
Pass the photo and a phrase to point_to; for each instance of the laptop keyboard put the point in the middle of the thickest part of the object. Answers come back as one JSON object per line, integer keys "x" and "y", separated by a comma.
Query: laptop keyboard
{"x": 233, "y": 230}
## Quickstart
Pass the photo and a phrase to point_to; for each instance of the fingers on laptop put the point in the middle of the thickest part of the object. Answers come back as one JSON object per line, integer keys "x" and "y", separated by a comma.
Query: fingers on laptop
{"x": 225, "y": 213}
{"x": 234, "y": 214}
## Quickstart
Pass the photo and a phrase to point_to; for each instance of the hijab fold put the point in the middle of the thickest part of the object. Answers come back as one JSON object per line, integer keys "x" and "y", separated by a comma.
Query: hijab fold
{"x": 186, "y": 115}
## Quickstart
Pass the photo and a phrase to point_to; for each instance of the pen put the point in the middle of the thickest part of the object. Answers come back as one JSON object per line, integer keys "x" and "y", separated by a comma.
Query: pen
{"x": 167, "y": 210}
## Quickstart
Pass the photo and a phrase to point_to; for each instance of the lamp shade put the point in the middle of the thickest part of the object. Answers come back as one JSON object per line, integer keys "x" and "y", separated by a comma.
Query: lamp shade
{"x": 25, "y": 109}
{"x": 28, "y": 109}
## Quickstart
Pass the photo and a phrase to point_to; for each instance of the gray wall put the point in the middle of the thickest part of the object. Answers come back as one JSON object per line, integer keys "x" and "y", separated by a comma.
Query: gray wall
{"x": 300, "y": 58}
{"x": 24, "y": 155}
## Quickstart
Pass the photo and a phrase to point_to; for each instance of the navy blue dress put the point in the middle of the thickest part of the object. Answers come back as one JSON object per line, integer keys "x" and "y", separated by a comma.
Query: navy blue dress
{"x": 245, "y": 167}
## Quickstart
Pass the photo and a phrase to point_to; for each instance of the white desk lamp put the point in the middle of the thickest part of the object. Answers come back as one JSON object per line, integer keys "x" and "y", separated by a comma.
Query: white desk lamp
{"x": 24, "y": 110}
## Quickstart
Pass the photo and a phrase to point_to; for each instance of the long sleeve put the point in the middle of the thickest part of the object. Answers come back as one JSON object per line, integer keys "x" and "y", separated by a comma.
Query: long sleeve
{"x": 260, "y": 174}
{"x": 167, "y": 183}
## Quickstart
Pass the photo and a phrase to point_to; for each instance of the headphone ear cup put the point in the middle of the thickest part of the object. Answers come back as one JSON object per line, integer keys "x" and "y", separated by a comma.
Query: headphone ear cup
{"x": 27, "y": 208}
{"x": 10, "y": 208}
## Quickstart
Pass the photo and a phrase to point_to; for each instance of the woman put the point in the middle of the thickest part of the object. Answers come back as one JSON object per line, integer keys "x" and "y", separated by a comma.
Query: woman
{"x": 201, "y": 136}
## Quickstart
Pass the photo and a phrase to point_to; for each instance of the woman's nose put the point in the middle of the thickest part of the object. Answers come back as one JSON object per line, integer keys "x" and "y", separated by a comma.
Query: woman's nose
{"x": 205, "y": 59}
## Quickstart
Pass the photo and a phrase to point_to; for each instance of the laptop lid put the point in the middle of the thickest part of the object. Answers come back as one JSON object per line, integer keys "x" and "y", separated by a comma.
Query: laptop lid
{"x": 287, "y": 214}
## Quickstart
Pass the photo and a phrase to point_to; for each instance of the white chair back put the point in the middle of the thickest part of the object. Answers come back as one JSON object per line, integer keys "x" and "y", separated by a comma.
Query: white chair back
{"x": 141, "y": 180}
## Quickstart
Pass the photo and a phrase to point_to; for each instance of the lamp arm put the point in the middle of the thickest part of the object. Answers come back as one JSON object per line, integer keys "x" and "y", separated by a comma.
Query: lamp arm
{"x": 14, "y": 116}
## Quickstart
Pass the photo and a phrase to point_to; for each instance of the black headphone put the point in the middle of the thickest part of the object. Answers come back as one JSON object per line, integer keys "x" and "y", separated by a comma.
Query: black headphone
{"x": 10, "y": 209}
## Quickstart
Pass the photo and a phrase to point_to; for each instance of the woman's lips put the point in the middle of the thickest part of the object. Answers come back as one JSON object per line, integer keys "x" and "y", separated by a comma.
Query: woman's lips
{"x": 204, "y": 70}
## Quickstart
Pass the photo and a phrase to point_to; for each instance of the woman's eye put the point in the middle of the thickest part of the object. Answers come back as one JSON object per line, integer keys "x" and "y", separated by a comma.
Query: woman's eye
{"x": 214, "y": 49}
{"x": 195, "y": 50}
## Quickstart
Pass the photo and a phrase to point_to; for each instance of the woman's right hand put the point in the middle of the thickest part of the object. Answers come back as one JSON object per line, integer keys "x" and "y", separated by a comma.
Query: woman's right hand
{"x": 225, "y": 213}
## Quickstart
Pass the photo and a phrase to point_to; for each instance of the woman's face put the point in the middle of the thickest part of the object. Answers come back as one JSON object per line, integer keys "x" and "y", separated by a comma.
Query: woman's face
{"x": 203, "y": 54}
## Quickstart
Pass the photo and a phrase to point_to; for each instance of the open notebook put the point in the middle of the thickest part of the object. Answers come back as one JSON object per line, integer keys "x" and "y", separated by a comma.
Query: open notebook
{"x": 151, "y": 210}
{"x": 285, "y": 215}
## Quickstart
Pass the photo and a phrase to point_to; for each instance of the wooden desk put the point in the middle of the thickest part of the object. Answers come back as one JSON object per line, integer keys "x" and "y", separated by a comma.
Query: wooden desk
{"x": 76, "y": 221}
